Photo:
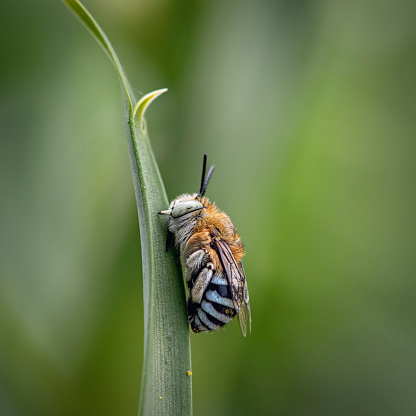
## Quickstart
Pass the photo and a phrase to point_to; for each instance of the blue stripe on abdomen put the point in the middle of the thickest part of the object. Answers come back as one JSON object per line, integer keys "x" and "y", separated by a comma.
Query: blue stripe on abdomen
{"x": 210, "y": 310}
{"x": 205, "y": 320}
{"x": 219, "y": 280}
{"x": 213, "y": 296}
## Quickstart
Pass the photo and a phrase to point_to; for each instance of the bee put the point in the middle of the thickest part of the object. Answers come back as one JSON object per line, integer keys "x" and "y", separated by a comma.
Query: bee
{"x": 211, "y": 251}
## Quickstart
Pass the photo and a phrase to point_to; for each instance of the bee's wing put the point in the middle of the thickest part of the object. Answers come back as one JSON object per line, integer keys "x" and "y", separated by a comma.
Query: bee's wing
{"x": 244, "y": 314}
{"x": 238, "y": 284}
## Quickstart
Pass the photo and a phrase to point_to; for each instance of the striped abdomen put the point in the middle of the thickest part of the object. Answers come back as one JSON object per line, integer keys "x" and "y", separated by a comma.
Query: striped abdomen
{"x": 211, "y": 306}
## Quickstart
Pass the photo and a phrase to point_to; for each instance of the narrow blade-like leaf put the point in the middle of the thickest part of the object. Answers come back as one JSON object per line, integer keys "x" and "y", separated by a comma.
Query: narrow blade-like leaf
{"x": 166, "y": 387}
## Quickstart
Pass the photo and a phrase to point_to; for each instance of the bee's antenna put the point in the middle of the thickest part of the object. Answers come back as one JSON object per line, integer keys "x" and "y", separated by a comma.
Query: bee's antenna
{"x": 205, "y": 180}
{"x": 204, "y": 168}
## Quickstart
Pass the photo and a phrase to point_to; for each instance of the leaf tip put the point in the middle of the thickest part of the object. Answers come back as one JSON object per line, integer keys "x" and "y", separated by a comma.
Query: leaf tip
{"x": 143, "y": 104}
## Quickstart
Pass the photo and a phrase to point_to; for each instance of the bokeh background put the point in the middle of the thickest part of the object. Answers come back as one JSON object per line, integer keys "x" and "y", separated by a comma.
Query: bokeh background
{"x": 307, "y": 110}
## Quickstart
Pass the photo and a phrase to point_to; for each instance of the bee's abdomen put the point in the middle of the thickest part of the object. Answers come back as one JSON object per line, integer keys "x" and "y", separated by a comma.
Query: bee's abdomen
{"x": 215, "y": 309}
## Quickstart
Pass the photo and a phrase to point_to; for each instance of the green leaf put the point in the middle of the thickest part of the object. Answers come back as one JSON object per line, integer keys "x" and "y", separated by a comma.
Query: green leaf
{"x": 166, "y": 388}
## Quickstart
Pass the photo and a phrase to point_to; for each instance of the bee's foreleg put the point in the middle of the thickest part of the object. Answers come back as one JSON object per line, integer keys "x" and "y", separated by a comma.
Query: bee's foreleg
{"x": 169, "y": 240}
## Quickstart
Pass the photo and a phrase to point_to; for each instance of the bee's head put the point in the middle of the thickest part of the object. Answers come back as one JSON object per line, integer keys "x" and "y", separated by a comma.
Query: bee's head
{"x": 183, "y": 205}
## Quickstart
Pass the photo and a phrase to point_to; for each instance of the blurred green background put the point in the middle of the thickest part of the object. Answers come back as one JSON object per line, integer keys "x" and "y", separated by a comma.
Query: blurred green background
{"x": 307, "y": 110}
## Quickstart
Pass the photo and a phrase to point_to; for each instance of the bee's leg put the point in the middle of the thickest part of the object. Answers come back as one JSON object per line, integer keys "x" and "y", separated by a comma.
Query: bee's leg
{"x": 169, "y": 240}
{"x": 194, "y": 262}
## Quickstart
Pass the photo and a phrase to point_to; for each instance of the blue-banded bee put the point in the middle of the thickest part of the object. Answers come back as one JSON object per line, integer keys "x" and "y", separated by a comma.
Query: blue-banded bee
{"x": 211, "y": 252}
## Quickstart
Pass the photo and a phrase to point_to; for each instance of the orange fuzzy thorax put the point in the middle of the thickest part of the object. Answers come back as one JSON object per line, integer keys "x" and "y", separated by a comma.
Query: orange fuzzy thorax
{"x": 214, "y": 224}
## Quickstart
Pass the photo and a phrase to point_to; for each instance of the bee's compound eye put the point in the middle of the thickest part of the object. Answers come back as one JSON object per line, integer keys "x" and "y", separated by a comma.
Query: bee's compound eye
{"x": 185, "y": 208}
